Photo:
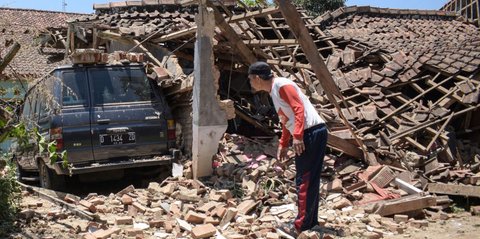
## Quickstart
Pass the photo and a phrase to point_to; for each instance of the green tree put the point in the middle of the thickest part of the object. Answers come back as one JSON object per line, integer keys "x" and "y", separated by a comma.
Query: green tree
{"x": 314, "y": 7}
{"x": 318, "y": 7}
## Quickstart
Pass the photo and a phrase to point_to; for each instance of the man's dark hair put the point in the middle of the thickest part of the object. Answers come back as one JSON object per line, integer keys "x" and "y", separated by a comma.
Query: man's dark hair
{"x": 266, "y": 77}
{"x": 262, "y": 69}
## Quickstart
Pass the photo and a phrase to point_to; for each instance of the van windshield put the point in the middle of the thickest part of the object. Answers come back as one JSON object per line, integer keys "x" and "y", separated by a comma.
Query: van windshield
{"x": 119, "y": 85}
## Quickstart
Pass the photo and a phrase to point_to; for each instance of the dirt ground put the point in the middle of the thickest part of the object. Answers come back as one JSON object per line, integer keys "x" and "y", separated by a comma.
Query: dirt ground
{"x": 460, "y": 226}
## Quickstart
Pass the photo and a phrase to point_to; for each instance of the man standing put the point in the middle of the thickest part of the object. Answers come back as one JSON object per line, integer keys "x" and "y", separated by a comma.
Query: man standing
{"x": 301, "y": 120}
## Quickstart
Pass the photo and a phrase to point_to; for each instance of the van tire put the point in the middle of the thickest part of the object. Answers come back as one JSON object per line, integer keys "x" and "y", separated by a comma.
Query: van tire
{"x": 49, "y": 179}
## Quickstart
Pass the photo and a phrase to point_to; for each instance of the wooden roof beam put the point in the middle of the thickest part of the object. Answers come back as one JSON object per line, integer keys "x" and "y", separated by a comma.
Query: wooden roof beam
{"x": 253, "y": 14}
{"x": 297, "y": 26}
{"x": 236, "y": 42}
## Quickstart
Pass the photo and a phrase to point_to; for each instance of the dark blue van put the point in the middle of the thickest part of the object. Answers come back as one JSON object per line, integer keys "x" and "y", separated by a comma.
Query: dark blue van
{"x": 106, "y": 117}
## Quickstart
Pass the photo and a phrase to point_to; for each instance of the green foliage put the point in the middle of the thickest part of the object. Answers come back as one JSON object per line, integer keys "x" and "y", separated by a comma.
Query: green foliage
{"x": 50, "y": 148}
{"x": 9, "y": 196}
{"x": 318, "y": 7}
{"x": 455, "y": 208}
{"x": 250, "y": 3}
{"x": 270, "y": 184}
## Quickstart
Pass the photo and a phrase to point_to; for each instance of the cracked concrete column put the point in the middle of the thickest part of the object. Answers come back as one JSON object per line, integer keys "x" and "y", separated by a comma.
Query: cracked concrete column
{"x": 209, "y": 120}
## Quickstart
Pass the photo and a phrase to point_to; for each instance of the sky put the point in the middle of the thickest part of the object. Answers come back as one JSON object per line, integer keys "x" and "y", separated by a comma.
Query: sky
{"x": 86, "y": 6}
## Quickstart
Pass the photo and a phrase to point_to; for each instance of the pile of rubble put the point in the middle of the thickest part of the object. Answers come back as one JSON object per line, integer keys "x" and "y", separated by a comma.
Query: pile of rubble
{"x": 249, "y": 195}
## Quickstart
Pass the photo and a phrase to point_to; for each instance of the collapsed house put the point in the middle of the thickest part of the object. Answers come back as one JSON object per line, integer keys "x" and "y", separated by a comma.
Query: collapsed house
{"x": 409, "y": 78}
{"x": 410, "y": 88}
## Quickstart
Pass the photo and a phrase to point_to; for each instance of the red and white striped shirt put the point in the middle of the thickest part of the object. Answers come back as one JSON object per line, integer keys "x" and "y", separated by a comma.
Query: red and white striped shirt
{"x": 295, "y": 111}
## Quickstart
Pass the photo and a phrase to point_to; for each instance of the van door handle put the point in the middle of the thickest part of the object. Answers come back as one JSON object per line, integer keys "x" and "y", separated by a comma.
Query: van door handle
{"x": 103, "y": 121}
{"x": 118, "y": 130}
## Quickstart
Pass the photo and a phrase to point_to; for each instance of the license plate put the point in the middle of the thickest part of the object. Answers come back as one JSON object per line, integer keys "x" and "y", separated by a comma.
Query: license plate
{"x": 115, "y": 139}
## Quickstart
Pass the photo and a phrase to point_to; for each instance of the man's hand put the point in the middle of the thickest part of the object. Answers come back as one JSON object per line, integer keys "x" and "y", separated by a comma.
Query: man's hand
{"x": 298, "y": 146}
{"x": 282, "y": 154}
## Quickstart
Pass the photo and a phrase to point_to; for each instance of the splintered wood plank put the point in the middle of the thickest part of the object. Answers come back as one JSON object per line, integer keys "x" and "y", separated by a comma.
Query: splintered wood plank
{"x": 175, "y": 35}
{"x": 428, "y": 129}
{"x": 344, "y": 146}
{"x": 298, "y": 28}
{"x": 409, "y": 139}
{"x": 406, "y": 204}
{"x": 233, "y": 38}
{"x": 430, "y": 123}
{"x": 408, "y": 104}
{"x": 9, "y": 56}
{"x": 149, "y": 54}
{"x": 435, "y": 137}
{"x": 253, "y": 14}
{"x": 317, "y": 29}
{"x": 446, "y": 91}
{"x": 451, "y": 189}
{"x": 289, "y": 64}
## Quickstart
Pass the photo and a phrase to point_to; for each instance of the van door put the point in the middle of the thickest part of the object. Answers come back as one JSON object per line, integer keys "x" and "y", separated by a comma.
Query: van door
{"x": 74, "y": 125}
{"x": 128, "y": 119}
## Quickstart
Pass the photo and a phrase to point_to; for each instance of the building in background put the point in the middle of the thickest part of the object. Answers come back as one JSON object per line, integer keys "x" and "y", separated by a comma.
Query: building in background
{"x": 24, "y": 26}
{"x": 466, "y": 8}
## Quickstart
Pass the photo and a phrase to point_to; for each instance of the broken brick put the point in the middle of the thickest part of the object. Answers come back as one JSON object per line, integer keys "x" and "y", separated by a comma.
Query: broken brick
{"x": 154, "y": 188}
{"x": 475, "y": 210}
{"x": 212, "y": 220}
{"x": 132, "y": 232}
{"x": 207, "y": 207}
{"x": 246, "y": 206}
{"x": 343, "y": 202}
{"x": 168, "y": 225}
{"x": 71, "y": 198}
{"x": 333, "y": 186}
{"x": 104, "y": 234}
{"x": 203, "y": 231}
{"x": 194, "y": 217}
{"x": 126, "y": 190}
{"x": 126, "y": 220}
{"x": 400, "y": 218}
{"x": 139, "y": 207}
{"x": 419, "y": 223}
{"x": 229, "y": 215}
{"x": 88, "y": 205}
{"x": 97, "y": 201}
{"x": 272, "y": 235}
{"x": 155, "y": 223}
{"x": 127, "y": 200}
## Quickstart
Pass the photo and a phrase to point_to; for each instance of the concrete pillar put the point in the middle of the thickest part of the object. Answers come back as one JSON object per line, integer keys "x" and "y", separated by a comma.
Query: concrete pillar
{"x": 209, "y": 120}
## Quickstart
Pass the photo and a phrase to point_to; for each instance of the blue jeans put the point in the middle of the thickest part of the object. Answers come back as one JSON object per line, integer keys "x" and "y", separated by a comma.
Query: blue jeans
{"x": 309, "y": 168}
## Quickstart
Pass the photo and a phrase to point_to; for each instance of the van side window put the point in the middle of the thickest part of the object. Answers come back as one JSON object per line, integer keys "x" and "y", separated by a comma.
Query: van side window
{"x": 35, "y": 106}
{"x": 42, "y": 107}
{"x": 74, "y": 89}
{"x": 120, "y": 85}
{"x": 28, "y": 108}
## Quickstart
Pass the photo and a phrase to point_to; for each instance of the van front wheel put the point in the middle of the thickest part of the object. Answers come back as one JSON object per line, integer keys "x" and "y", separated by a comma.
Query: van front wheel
{"x": 49, "y": 179}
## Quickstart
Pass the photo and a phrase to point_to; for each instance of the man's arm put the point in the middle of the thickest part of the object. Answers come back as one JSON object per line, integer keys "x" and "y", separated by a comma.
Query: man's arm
{"x": 285, "y": 139}
{"x": 283, "y": 144}
{"x": 292, "y": 98}
{"x": 290, "y": 95}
